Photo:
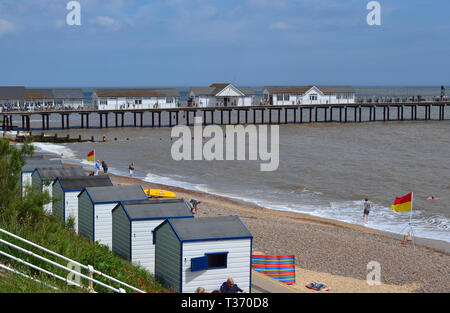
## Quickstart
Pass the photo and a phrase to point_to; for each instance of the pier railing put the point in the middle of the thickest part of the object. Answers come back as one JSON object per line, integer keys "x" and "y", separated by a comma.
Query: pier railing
{"x": 172, "y": 115}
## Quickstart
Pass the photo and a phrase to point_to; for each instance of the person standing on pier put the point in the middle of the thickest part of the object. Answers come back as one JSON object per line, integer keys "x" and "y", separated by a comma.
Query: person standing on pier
{"x": 442, "y": 92}
{"x": 367, "y": 207}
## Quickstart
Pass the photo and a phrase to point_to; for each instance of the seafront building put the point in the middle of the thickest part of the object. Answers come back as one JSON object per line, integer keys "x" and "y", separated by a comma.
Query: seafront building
{"x": 12, "y": 96}
{"x": 27, "y": 99}
{"x": 221, "y": 95}
{"x": 135, "y": 98}
{"x": 70, "y": 98}
{"x": 308, "y": 95}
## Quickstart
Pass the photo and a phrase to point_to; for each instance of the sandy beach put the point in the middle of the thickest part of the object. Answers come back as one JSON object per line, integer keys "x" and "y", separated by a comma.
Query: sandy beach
{"x": 328, "y": 251}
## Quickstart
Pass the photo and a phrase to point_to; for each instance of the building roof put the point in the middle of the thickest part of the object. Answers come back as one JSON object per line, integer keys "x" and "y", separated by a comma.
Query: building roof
{"x": 76, "y": 183}
{"x": 136, "y": 92}
{"x": 303, "y": 89}
{"x": 210, "y": 228}
{"x": 53, "y": 173}
{"x": 156, "y": 208}
{"x": 32, "y": 163}
{"x": 116, "y": 193}
{"x": 68, "y": 93}
{"x": 33, "y": 93}
{"x": 12, "y": 93}
{"x": 214, "y": 89}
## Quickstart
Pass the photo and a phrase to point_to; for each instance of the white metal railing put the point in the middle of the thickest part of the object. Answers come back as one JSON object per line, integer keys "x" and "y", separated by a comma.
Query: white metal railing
{"x": 91, "y": 270}
{"x": 26, "y": 276}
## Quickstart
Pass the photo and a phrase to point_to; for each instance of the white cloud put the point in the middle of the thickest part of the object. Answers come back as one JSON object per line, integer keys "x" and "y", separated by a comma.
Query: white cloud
{"x": 279, "y": 26}
{"x": 6, "y": 27}
{"x": 107, "y": 22}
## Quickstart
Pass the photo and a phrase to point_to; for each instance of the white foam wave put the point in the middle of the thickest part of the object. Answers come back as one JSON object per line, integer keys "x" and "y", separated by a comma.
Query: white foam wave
{"x": 60, "y": 150}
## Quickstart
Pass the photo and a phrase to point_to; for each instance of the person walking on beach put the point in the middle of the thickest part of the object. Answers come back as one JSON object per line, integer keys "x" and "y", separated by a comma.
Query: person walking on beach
{"x": 131, "y": 169}
{"x": 105, "y": 167}
{"x": 97, "y": 167}
{"x": 367, "y": 207}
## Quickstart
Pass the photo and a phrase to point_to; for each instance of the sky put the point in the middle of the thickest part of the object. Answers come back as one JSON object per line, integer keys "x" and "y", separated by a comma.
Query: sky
{"x": 143, "y": 43}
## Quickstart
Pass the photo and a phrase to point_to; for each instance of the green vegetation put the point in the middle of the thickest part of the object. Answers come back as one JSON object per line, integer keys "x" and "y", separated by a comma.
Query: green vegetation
{"x": 26, "y": 218}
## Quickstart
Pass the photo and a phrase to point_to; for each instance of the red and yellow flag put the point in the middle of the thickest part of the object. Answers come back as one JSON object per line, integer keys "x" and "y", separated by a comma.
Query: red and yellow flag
{"x": 91, "y": 156}
{"x": 403, "y": 204}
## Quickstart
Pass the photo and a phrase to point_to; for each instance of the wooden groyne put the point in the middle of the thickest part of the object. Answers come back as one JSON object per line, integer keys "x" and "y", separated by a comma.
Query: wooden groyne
{"x": 342, "y": 113}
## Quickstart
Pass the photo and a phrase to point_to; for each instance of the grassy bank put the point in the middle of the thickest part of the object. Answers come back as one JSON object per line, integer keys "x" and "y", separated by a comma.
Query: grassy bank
{"x": 26, "y": 218}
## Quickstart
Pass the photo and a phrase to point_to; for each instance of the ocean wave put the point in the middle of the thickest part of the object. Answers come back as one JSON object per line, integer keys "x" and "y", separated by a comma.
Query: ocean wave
{"x": 60, "y": 150}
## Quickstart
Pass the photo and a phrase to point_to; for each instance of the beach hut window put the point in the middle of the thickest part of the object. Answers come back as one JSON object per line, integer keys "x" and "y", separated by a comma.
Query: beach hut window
{"x": 209, "y": 261}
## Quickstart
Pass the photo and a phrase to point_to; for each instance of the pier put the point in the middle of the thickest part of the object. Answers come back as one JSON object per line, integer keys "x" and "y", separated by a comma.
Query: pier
{"x": 267, "y": 114}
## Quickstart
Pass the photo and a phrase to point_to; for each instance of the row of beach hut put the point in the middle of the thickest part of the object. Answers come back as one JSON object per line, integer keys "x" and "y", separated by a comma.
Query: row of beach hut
{"x": 161, "y": 235}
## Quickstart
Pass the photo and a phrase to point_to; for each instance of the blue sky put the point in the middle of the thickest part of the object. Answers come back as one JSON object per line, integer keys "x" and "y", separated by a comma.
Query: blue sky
{"x": 247, "y": 42}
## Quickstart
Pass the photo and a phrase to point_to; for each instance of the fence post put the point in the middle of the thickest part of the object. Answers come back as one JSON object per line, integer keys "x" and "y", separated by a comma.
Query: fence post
{"x": 91, "y": 275}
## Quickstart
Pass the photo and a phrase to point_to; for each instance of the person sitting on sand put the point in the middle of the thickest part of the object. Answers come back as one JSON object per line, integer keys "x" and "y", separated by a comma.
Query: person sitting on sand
{"x": 367, "y": 207}
{"x": 432, "y": 197}
{"x": 230, "y": 287}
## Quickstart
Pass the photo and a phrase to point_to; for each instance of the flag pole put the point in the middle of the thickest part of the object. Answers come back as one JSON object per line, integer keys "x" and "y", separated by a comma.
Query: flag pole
{"x": 412, "y": 202}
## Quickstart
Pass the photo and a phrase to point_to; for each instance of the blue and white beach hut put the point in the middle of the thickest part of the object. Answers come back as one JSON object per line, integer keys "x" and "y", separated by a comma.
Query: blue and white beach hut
{"x": 203, "y": 252}
{"x": 133, "y": 223}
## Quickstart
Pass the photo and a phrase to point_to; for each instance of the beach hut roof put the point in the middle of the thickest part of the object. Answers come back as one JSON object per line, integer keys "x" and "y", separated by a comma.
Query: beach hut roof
{"x": 303, "y": 89}
{"x": 137, "y": 92}
{"x": 53, "y": 173}
{"x": 76, "y": 183}
{"x": 214, "y": 89}
{"x": 68, "y": 93}
{"x": 12, "y": 93}
{"x": 156, "y": 209}
{"x": 34, "y": 93}
{"x": 112, "y": 194}
{"x": 32, "y": 163}
{"x": 209, "y": 228}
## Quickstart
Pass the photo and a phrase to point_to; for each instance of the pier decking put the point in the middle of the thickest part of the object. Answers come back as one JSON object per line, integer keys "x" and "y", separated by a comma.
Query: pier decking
{"x": 340, "y": 113}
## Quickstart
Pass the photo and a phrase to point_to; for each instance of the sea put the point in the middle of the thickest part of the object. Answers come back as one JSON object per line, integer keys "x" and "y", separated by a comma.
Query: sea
{"x": 325, "y": 169}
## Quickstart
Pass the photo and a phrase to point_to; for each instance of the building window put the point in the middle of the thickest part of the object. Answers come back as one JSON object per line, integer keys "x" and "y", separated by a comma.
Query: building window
{"x": 313, "y": 97}
{"x": 169, "y": 100}
{"x": 209, "y": 261}
{"x": 103, "y": 102}
{"x": 286, "y": 97}
{"x": 138, "y": 101}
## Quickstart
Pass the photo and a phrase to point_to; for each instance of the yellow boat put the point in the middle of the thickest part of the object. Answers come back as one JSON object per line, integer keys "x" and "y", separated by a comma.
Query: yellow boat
{"x": 159, "y": 193}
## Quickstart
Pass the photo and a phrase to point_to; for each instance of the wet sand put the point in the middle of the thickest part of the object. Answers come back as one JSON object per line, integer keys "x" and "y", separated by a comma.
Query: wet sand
{"x": 327, "y": 251}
